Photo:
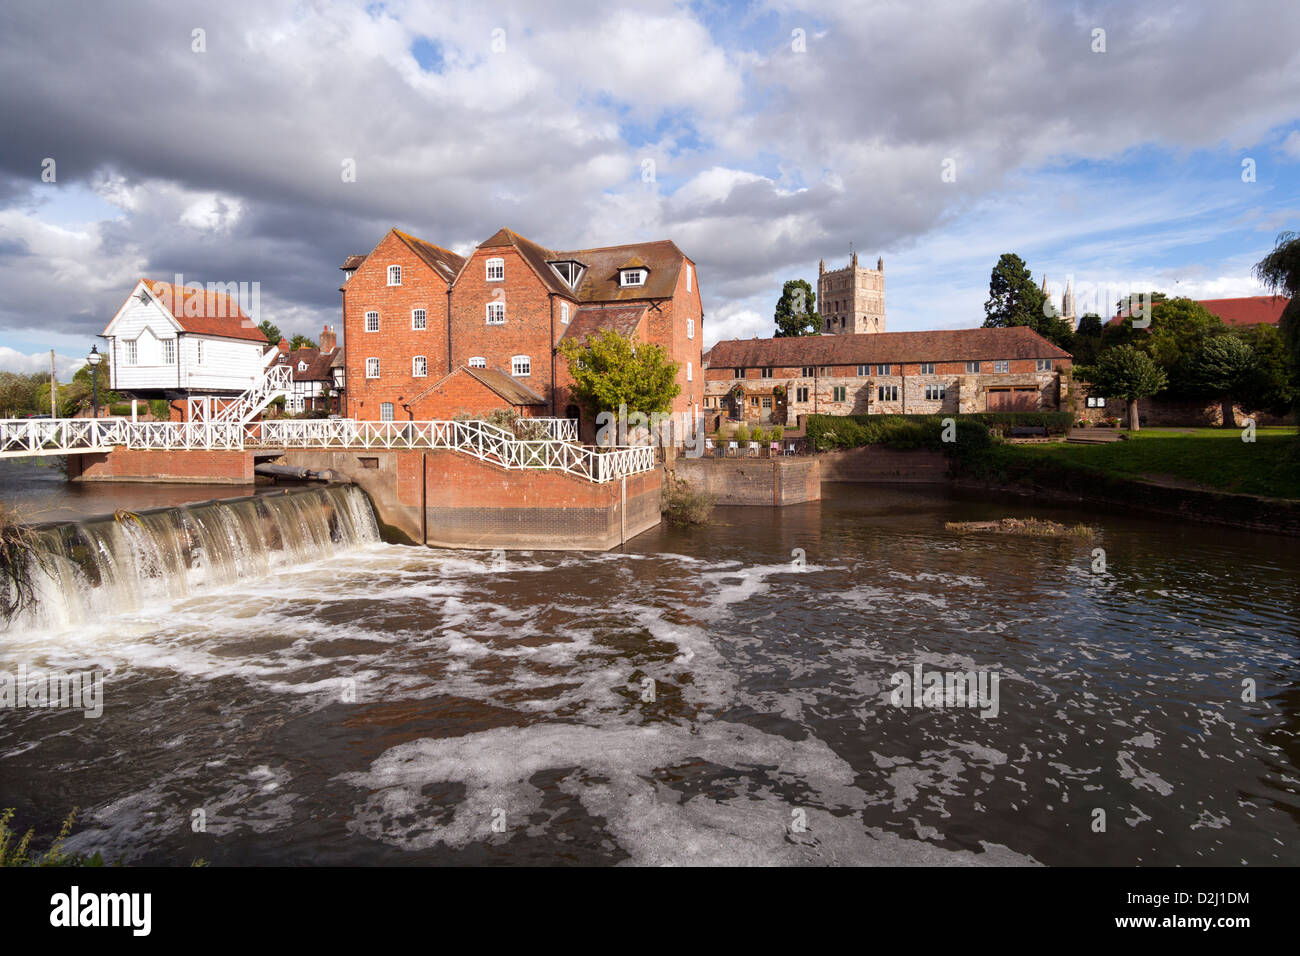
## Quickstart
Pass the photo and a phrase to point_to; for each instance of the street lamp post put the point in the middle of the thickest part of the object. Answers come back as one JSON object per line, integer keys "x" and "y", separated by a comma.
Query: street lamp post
{"x": 93, "y": 359}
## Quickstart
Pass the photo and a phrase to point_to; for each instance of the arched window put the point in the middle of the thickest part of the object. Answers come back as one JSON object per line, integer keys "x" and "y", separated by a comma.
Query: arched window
{"x": 496, "y": 270}
{"x": 521, "y": 366}
{"x": 394, "y": 275}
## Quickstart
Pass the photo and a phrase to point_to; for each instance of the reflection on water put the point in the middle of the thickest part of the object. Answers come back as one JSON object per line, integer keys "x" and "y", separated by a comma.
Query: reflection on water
{"x": 38, "y": 488}
{"x": 698, "y": 698}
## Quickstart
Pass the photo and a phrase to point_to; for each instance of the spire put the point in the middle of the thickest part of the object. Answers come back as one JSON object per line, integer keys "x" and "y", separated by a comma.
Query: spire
{"x": 821, "y": 266}
{"x": 880, "y": 264}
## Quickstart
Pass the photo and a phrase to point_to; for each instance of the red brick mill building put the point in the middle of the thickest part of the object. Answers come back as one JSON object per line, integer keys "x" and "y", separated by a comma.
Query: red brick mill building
{"x": 956, "y": 371}
{"x": 431, "y": 334}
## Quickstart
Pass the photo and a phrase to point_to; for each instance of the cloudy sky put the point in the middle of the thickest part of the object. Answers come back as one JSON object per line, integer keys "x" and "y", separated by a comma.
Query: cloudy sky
{"x": 760, "y": 137}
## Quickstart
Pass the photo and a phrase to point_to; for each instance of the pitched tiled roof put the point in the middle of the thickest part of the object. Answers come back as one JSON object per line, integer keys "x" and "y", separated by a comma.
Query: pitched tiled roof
{"x": 352, "y": 262}
{"x": 951, "y": 345}
{"x": 201, "y": 312}
{"x": 538, "y": 257}
{"x": 445, "y": 263}
{"x": 622, "y": 319}
{"x": 661, "y": 258}
{"x": 1248, "y": 310}
{"x": 318, "y": 363}
{"x": 511, "y": 389}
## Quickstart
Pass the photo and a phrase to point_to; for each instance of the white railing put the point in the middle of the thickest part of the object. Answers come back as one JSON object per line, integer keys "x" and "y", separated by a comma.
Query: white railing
{"x": 561, "y": 429}
{"x": 275, "y": 381}
{"x": 26, "y": 437}
{"x": 479, "y": 439}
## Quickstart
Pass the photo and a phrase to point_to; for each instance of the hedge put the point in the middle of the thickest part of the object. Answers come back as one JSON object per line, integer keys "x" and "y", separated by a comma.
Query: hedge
{"x": 925, "y": 431}
{"x": 122, "y": 409}
{"x": 903, "y": 432}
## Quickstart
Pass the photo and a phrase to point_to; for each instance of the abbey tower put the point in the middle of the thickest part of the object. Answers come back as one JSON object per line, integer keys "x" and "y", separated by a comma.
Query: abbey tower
{"x": 852, "y": 299}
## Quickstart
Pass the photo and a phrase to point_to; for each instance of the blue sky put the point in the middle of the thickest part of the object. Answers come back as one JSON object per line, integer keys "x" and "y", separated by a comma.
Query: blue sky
{"x": 778, "y": 134}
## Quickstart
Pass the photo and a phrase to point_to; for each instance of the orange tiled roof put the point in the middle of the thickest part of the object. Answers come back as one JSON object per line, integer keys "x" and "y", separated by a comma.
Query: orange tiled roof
{"x": 948, "y": 345}
{"x": 201, "y": 312}
{"x": 1248, "y": 310}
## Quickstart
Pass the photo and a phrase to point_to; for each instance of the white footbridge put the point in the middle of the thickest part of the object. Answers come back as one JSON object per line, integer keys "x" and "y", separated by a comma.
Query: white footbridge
{"x": 556, "y": 448}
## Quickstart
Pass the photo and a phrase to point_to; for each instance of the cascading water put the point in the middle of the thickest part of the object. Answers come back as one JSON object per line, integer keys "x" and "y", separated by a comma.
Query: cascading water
{"x": 88, "y": 569}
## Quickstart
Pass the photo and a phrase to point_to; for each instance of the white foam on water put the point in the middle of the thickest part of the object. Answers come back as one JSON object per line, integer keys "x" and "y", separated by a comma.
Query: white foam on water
{"x": 649, "y": 820}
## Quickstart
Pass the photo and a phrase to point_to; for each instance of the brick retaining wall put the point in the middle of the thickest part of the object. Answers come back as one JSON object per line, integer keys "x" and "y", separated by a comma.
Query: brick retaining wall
{"x": 164, "y": 465}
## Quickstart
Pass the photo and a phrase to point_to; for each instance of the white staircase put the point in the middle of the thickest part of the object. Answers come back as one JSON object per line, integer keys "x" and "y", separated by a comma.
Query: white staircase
{"x": 274, "y": 382}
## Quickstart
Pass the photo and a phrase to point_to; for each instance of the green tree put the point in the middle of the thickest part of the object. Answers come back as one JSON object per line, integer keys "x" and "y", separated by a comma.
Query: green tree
{"x": 1273, "y": 387}
{"x": 1126, "y": 372}
{"x": 1015, "y": 300}
{"x": 796, "y": 310}
{"x": 1085, "y": 346}
{"x": 302, "y": 342}
{"x": 1178, "y": 330}
{"x": 610, "y": 370}
{"x": 1225, "y": 366}
{"x": 18, "y": 394}
{"x": 272, "y": 332}
{"x": 1280, "y": 273}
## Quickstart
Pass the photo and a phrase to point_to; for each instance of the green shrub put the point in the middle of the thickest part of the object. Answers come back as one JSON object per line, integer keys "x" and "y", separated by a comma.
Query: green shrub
{"x": 20, "y": 853}
{"x": 683, "y": 505}
{"x": 900, "y": 432}
{"x": 742, "y": 433}
{"x": 119, "y": 410}
{"x": 158, "y": 409}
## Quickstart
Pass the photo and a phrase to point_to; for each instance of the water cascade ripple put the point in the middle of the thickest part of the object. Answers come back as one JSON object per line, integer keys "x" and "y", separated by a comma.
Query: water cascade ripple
{"x": 120, "y": 563}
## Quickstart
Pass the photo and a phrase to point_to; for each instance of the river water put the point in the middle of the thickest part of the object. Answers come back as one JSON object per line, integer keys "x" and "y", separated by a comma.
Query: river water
{"x": 711, "y": 695}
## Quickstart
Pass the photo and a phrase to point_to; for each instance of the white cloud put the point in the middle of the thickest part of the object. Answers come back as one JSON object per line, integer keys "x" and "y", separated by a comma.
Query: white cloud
{"x": 1291, "y": 145}
{"x": 11, "y": 360}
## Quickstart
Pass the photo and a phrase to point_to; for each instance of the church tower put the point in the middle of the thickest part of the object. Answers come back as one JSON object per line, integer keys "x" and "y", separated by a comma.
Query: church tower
{"x": 852, "y": 299}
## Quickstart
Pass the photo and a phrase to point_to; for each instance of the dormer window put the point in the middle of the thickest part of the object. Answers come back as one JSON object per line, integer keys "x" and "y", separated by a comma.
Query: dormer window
{"x": 302, "y": 366}
{"x": 630, "y": 277}
{"x": 496, "y": 270}
{"x": 570, "y": 270}
{"x": 394, "y": 275}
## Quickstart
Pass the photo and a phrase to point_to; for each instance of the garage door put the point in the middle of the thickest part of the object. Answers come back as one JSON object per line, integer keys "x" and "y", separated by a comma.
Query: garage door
{"x": 1013, "y": 400}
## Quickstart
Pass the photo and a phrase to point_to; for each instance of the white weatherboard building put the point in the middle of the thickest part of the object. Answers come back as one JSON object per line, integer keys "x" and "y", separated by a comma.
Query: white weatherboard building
{"x": 184, "y": 343}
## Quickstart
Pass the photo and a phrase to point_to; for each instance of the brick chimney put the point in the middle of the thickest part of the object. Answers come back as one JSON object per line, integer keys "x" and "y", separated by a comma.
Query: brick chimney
{"x": 327, "y": 339}
{"x": 284, "y": 344}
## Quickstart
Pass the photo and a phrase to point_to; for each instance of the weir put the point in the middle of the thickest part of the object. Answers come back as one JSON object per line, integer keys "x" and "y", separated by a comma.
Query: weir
{"x": 124, "y": 562}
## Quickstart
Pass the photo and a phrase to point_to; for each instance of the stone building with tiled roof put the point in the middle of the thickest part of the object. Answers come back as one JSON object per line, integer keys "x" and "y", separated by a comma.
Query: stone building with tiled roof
{"x": 952, "y": 371}
{"x": 420, "y": 321}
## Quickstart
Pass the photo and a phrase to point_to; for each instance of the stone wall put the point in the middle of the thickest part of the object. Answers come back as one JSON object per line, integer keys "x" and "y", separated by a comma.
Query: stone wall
{"x": 873, "y": 463}
{"x": 758, "y": 481}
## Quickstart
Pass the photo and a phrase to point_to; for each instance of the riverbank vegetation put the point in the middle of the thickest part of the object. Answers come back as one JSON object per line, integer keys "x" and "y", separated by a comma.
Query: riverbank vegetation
{"x": 965, "y": 435}
{"x": 683, "y": 505}
{"x": 16, "y": 851}
{"x": 1202, "y": 458}
{"x": 18, "y": 555}
{"x": 1032, "y": 527}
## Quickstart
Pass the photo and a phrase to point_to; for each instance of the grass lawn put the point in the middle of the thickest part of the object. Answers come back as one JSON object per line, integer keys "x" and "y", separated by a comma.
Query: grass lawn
{"x": 1214, "y": 458}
